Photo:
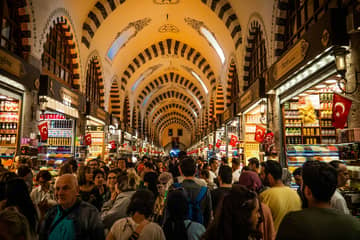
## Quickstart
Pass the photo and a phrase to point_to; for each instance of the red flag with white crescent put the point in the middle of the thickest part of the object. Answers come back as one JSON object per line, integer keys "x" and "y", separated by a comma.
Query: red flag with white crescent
{"x": 88, "y": 139}
{"x": 43, "y": 128}
{"x": 340, "y": 111}
{"x": 233, "y": 140}
{"x": 259, "y": 133}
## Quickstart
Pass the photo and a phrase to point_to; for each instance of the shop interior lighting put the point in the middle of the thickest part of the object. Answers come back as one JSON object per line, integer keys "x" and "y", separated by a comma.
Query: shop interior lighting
{"x": 299, "y": 76}
{"x": 331, "y": 81}
{"x": 320, "y": 86}
{"x": 95, "y": 120}
{"x": 11, "y": 82}
{"x": 340, "y": 54}
{"x": 254, "y": 106}
{"x": 211, "y": 39}
{"x": 2, "y": 97}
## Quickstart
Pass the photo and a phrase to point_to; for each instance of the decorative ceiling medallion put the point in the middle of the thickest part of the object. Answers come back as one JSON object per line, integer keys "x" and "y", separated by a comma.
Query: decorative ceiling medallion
{"x": 164, "y": 2}
{"x": 195, "y": 24}
{"x": 168, "y": 28}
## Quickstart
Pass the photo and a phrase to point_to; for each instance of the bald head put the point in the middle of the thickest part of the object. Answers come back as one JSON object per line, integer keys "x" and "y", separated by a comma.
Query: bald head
{"x": 66, "y": 190}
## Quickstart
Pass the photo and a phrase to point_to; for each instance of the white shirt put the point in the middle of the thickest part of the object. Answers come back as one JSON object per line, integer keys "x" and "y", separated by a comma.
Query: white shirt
{"x": 212, "y": 176}
{"x": 37, "y": 195}
{"x": 123, "y": 228}
{"x": 338, "y": 202}
{"x": 236, "y": 175}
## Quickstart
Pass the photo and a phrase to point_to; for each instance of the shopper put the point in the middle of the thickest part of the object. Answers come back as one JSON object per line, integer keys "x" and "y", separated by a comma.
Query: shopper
{"x": 337, "y": 200}
{"x": 236, "y": 169}
{"x": 151, "y": 182}
{"x": 280, "y": 198}
{"x": 297, "y": 174}
{"x": 137, "y": 226}
{"x": 254, "y": 164}
{"x": 87, "y": 187}
{"x": 224, "y": 179}
{"x": 214, "y": 169}
{"x": 100, "y": 189}
{"x": 43, "y": 195}
{"x": 121, "y": 164}
{"x": 111, "y": 183}
{"x": 115, "y": 208}
{"x": 320, "y": 220}
{"x": 93, "y": 164}
{"x": 193, "y": 190}
{"x": 178, "y": 226}
{"x": 25, "y": 173}
{"x": 15, "y": 194}
{"x": 14, "y": 225}
{"x": 237, "y": 217}
{"x": 165, "y": 181}
{"x": 251, "y": 181}
{"x": 71, "y": 218}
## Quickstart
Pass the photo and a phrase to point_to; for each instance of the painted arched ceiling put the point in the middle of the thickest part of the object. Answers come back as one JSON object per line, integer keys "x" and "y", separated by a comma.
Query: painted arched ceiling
{"x": 167, "y": 67}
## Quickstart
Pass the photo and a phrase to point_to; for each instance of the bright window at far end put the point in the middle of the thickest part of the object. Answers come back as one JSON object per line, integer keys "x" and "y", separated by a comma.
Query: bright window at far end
{"x": 120, "y": 41}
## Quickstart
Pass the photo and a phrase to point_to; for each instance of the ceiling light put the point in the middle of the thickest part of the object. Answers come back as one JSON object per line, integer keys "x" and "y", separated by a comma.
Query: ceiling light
{"x": 2, "y": 97}
{"x": 303, "y": 94}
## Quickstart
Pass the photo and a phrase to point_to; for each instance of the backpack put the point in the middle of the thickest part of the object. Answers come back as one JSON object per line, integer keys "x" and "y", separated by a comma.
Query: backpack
{"x": 195, "y": 214}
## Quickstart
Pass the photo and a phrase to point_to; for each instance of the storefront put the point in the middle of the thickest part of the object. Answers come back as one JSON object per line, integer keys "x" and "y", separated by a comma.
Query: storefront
{"x": 253, "y": 114}
{"x": 96, "y": 121}
{"x": 60, "y": 108}
{"x": 16, "y": 79}
{"x": 232, "y": 130}
{"x": 304, "y": 82}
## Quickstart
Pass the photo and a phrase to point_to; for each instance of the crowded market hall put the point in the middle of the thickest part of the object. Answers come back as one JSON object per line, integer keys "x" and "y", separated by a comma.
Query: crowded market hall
{"x": 179, "y": 119}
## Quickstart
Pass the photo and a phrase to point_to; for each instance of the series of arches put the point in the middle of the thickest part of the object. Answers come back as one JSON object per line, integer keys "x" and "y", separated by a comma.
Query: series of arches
{"x": 120, "y": 102}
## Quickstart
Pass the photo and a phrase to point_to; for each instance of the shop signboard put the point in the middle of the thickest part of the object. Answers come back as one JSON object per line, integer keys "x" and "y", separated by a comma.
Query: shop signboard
{"x": 56, "y": 90}
{"x": 253, "y": 94}
{"x": 13, "y": 66}
{"x": 97, "y": 112}
{"x": 328, "y": 31}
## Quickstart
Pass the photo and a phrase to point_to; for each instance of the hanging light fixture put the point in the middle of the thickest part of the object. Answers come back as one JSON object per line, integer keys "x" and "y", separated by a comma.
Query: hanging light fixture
{"x": 340, "y": 54}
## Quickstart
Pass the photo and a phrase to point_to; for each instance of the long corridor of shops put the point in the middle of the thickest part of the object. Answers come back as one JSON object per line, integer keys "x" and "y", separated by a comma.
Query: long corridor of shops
{"x": 223, "y": 82}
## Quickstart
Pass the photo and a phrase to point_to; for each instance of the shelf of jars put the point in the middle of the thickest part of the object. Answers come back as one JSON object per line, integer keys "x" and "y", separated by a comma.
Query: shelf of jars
{"x": 9, "y": 128}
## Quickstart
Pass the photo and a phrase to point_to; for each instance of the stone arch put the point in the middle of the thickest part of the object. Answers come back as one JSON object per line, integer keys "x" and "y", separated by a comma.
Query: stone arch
{"x": 97, "y": 62}
{"x": 114, "y": 105}
{"x": 103, "y": 8}
{"x": 57, "y": 18}
{"x": 169, "y": 47}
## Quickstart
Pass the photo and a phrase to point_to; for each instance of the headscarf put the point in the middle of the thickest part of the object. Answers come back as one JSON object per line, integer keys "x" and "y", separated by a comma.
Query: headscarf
{"x": 251, "y": 180}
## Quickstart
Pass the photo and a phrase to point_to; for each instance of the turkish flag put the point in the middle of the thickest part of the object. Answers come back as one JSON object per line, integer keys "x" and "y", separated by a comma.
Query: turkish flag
{"x": 340, "y": 111}
{"x": 259, "y": 133}
{"x": 112, "y": 144}
{"x": 43, "y": 128}
{"x": 88, "y": 139}
{"x": 218, "y": 143}
{"x": 210, "y": 146}
{"x": 233, "y": 140}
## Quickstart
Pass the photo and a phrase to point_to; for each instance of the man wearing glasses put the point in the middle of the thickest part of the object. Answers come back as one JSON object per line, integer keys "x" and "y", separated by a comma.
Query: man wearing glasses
{"x": 337, "y": 200}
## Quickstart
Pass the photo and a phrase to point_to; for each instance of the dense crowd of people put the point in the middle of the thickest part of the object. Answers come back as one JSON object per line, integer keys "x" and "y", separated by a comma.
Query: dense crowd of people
{"x": 176, "y": 198}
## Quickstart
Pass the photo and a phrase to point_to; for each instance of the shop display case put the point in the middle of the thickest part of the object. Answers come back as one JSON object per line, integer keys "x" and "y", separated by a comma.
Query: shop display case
{"x": 97, "y": 141}
{"x": 252, "y": 119}
{"x": 9, "y": 129}
{"x": 59, "y": 145}
{"x": 319, "y": 132}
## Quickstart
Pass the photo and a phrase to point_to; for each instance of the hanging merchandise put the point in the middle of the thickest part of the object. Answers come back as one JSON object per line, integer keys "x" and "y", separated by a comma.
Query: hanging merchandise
{"x": 218, "y": 143}
{"x": 307, "y": 109}
{"x": 233, "y": 140}
{"x": 88, "y": 139}
{"x": 259, "y": 133}
{"x": 43, "y": 128}
{"x": 269, "y": 143}
{"x": 341, "y": 108}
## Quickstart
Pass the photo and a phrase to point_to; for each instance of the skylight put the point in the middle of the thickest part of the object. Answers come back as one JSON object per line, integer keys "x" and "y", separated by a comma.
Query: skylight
{"x": 199, "y": 79}
{"x": 120, "y": 41}
{"x": 210, "y": 37}
{"x": 144, "y": 75}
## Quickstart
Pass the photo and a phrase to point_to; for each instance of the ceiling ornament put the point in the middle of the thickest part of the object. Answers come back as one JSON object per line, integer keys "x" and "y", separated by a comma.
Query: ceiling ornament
{"x": 164, "y": 2}
{"x": 140, "y": 24}
{"x": 195, "y": 24}
{"x": 168, "y": 28}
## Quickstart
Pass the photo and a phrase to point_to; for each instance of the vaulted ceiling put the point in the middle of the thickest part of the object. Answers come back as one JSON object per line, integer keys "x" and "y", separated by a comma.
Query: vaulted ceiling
{"x": 158, "y": 54}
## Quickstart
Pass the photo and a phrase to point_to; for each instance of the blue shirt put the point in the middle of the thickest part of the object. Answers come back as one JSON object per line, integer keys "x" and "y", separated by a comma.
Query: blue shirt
{"x": 65, "y": 229}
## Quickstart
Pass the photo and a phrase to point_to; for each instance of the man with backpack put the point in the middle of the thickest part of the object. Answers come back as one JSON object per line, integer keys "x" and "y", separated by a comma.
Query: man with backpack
{"x": 198, "y": 197}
